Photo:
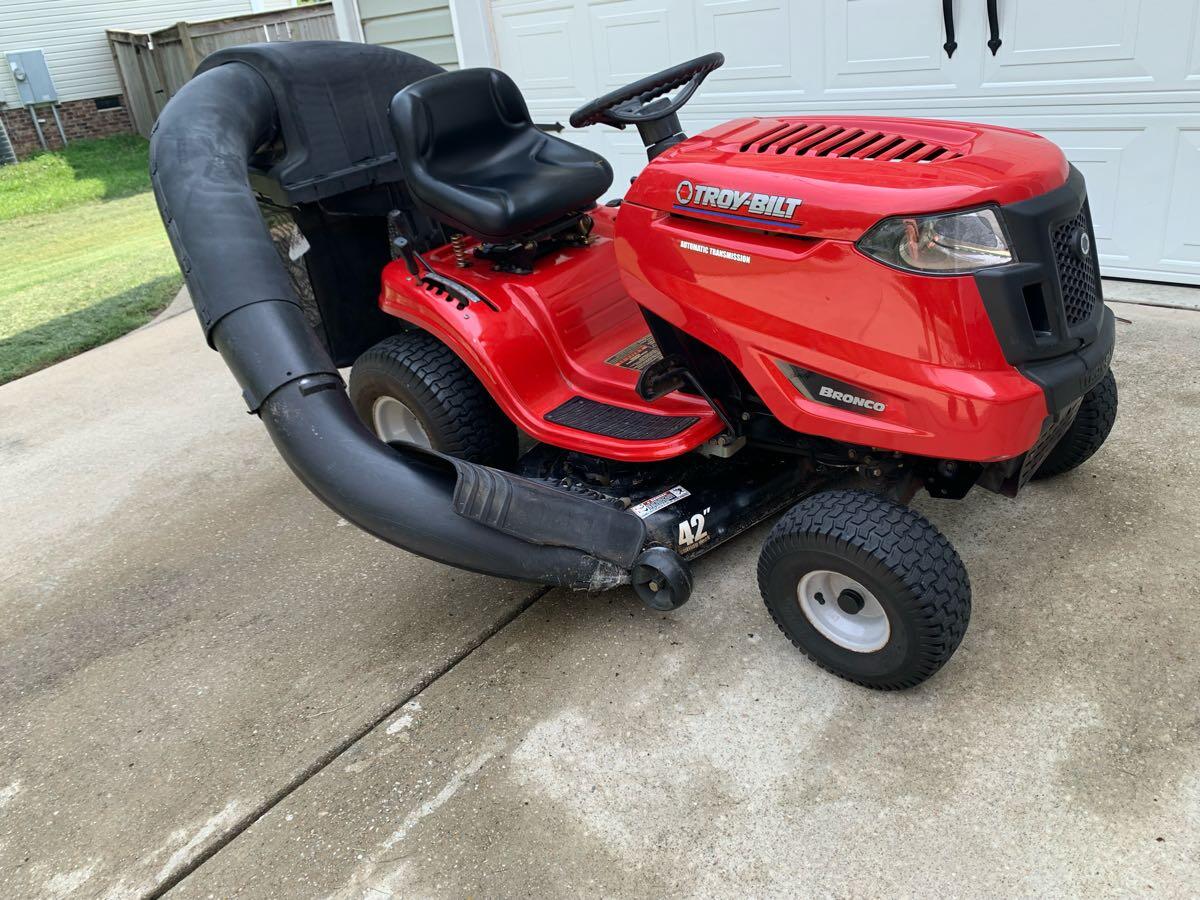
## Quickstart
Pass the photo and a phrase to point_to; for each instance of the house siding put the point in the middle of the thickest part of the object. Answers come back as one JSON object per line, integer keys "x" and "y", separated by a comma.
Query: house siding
{"x": 71, "y": 32}
{"x": 420, "y": 27}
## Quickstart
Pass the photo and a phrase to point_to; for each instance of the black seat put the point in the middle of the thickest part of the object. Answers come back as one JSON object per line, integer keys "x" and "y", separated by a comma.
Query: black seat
{"x": 474, "y": 160}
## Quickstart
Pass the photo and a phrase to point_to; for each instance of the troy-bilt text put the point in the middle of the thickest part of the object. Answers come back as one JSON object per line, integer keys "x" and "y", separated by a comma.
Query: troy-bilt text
{"x": 688, "y": 194}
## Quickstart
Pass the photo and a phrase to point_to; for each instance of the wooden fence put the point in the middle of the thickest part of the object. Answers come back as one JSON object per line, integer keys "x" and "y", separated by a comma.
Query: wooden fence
{"x": 153, "y": 65}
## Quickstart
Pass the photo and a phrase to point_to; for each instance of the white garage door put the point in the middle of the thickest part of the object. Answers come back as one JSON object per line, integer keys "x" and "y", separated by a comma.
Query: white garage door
{"x": 1116, "y": 83}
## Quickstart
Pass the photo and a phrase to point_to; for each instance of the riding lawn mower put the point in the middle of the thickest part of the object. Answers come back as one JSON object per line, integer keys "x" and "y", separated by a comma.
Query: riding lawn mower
{"x": 818, "y": 316}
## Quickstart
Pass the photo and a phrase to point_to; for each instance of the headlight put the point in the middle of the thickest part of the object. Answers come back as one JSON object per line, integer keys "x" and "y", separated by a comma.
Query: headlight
{"x": 950, "y": 244}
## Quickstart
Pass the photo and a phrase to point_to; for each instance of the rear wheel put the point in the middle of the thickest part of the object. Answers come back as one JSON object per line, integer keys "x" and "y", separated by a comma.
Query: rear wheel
{"x": 1087, "y": 433}
{"x": 412, "y": 388}
{"x": 866, "y": 588}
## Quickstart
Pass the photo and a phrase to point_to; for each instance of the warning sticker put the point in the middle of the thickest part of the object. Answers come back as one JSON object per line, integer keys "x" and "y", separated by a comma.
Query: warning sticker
{"x": 637, "y": 356}
{"x": 662, "y": 501}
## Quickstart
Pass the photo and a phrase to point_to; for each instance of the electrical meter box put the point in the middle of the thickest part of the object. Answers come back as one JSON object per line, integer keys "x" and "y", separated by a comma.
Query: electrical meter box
{"x": 30, "y": 72}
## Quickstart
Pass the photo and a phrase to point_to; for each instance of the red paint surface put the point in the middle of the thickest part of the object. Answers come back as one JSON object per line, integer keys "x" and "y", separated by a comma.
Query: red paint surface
{"x": 806, "y": 296}
{"x": 925, "y": 345}
{"x": 549, "y": 341}
{"x": 844, "y": 196}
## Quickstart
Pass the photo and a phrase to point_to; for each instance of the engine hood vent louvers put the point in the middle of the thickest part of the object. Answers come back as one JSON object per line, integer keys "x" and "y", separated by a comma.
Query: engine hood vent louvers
{"x": 843, "y": 142}
{"x": 820, "y": 176}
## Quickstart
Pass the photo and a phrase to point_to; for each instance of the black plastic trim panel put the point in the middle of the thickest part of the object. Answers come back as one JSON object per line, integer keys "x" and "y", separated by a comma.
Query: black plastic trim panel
{"x": 1009, "y": 292}
{"x": 1058, "y": 349}
{"x": 1068, "y": 377}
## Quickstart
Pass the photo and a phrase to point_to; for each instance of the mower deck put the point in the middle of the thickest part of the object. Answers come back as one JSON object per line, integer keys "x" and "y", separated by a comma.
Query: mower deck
{"x": 559, "y": 349}
{"x": 691, "y": 504}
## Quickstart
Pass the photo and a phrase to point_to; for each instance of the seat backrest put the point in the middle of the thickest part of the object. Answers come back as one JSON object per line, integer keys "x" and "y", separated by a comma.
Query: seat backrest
{"x": 477, "y": 111}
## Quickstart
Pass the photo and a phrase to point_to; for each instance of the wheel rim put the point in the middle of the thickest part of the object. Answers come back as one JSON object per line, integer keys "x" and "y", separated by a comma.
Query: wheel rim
{"x": 828, "y": 599}
{"x": 395, "y": 422}
{"x": 654, "y": 588}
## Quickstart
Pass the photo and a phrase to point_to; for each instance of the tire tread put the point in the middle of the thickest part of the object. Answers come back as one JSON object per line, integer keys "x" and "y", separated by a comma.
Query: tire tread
{"x": 469, "y": 424}
{"x": 871, "y": 527}
{"x": 1087, "y": 433}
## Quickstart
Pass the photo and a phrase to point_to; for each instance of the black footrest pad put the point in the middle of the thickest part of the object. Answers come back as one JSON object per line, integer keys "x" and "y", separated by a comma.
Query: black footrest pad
{"x": 616, "y": 422}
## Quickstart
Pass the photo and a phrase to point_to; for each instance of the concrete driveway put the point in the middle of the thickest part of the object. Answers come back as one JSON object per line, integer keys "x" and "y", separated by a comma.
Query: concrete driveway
{"x": 208, "y": 683}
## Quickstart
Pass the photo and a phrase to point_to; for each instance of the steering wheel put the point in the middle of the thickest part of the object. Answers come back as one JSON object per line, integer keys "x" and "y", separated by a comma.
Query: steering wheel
{"x": 633, "y": 103}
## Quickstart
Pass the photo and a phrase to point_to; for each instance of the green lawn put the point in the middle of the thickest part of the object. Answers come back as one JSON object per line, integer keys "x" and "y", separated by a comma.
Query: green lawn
{"x": 85, "y": 171}
{"x": 83, "y": 255}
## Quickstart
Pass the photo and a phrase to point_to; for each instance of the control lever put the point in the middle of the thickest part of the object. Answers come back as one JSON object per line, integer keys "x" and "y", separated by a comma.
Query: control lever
{"x": 671, "y": 373}
{"x": 401, "y": 246}
{"x": 405, "y": 251}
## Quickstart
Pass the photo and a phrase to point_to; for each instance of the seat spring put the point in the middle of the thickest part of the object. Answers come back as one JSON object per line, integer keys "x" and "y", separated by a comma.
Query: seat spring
{"x": 458, "y": 244}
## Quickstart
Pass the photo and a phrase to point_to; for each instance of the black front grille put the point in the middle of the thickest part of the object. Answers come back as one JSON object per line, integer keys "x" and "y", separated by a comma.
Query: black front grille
{"x": 1076, "y": 274}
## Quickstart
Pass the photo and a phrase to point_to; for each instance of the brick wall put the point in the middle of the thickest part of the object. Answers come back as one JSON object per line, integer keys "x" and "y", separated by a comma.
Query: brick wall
{"x": 81, "y": 121}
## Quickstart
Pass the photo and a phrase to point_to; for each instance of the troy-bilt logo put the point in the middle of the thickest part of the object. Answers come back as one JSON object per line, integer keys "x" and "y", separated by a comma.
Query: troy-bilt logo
{"x": 843, "y": 397}
{"x": 729, "y": 200}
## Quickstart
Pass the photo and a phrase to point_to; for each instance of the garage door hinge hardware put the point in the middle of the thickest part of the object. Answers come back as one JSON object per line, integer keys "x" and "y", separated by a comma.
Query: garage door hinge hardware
{"x": 948, "y": 17}
{"x": 994, "y": 41}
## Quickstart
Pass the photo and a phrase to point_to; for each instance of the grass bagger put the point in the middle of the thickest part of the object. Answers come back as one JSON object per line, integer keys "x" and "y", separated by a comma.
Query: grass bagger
{"x": 817, "y": 316}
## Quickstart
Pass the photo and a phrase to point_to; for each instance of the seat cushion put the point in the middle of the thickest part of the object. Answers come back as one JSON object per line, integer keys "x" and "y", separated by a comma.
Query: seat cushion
{"x": 474, "y": 160}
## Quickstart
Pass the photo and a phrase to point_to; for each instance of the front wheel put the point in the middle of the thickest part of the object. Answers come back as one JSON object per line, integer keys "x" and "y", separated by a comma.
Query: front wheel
{"x": 866, "y": 588}
{"x": 1087, "y": 433}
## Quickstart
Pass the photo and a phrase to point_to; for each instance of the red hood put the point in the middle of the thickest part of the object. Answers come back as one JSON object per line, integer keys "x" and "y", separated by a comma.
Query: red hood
{"x": 847, "y": 173}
